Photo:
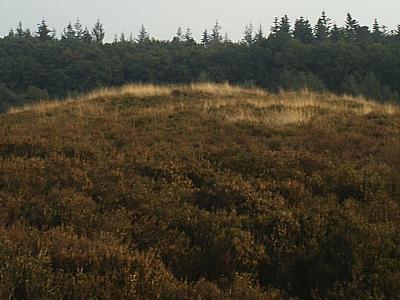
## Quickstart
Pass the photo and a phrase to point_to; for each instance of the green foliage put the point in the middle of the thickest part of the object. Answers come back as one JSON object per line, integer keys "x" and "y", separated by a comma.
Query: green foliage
{"x": 346, "y": 60}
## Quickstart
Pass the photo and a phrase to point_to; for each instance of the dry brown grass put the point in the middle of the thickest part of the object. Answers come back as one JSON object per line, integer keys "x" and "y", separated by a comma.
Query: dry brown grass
{"x": 232, "y": 103}
{"x": 134, "y": 90}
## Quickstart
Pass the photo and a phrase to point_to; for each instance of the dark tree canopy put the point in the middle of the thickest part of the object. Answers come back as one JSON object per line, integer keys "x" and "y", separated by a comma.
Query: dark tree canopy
{"x": 98, "y": 32}
{"x": 347, "y": 59}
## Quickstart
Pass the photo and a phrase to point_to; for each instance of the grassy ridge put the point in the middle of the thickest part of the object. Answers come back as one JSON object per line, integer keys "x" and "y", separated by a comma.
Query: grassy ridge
{"x": 202, "y": 191}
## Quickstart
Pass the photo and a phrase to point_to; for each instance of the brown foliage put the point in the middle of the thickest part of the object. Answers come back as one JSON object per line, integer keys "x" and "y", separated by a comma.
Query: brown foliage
{"x": 201, "y": 191}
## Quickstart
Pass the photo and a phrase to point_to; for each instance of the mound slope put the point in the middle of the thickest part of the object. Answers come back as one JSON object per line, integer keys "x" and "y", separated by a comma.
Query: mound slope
{"x": 207, "y": 191}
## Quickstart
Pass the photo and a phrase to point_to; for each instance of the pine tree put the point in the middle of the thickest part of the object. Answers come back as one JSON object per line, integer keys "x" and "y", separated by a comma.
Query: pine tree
{"x": 20, "y": 31}
{"x": 303, "y": 31}
{"x": 205, "y": 39}
{"x": 216, "y": 36}
{"x": 322, "y": 29}
{"x": 28, "y": 33}
{"x": 11, "y": 33}
{"x": 43, "y": 32}
{"x": 122, "y": 38}
{"x": 259, "y": 36}
{"x": 98, "y": 32}
{"x": 78, "y": 28}
{"x": 68, "y": 32}
{"x": 377, "y": 31}
{"x": 248, "y": 35}
{"x": 363, "y": 34}
{"x": 336, "y": 34}
{"x": 86, "y": 36}
{"x": 284, "y": 25}
{"x": 351, "y": 27}
{"x": 188, "y": 38}
{"x": 178, "y": 38}
{"x": 275, "y": 27}
{"x": 143, "y": 35}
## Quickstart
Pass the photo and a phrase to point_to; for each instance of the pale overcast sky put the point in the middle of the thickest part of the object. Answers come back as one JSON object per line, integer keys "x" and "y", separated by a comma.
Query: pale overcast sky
{"x": 163, "y": 17}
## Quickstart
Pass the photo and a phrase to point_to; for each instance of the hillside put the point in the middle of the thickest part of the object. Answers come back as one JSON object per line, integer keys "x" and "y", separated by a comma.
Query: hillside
{"x": 200, "y": 192}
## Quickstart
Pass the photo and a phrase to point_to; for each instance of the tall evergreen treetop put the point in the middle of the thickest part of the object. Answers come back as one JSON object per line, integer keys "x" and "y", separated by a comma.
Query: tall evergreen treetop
{"x": 248, "y": 35}
{"x": 322, "y": 29}
{"x": 143, "y": 35}
{"x": 68, "y": 32}
{"x": 78, "y": 27}
{"x": 259, "y": 35}
{"x": 11, "y": 33}
{"x": 303, "y": 31}
{"x": 337, "y": 33}
{"x": 178, "y": 38}
{"x": 284, "y": 25}
{"x": 351, "y": 27}
{"x": 20, "y": 31}
{"x": 86, "y": 36}
{"x": 122, "y": 38}
{"x": 205, "y": 38}
{"x": 378, "y": 31}
{"x": 98, "y": 32}
{"x": 275, "y": 26}
{"x": 188, "y": 38}
{"x": 216, "y": 35}
{"x": 43, "y": 32}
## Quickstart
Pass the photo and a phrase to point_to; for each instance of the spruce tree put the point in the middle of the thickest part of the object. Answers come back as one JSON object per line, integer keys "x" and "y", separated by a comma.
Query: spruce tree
{"x": 43, "y": 32}
{"x": 28, "y": 33}
{"x": 98, "y": 32}
{"x": 363, "y": 34}
{"x": 216, "y": 36}
{"x": 248, "y": 35}
{"x": 205, "y": 39}
{"x": 20, "y": 31}
{"x": 337, "y": 33}
{"x": 284, "y": 25}
{"x": 11, "y": 33}
{"x": 303, "y": 31}
{"x": 275, "y": 27}
{"x": 122, "y": 38}
{"x": 322, "y": 29}
{"x": 68, "y": 32}
{"x": 259, "y": 35}
{"x": 178, "y": 38}
{"x": 188, "y": 38}
{"x": 86, "y": 36}
{"x": 143, "y": 35}
{"x": 78, "y": 28}
{"x": 351, "y": 27}
{"x": 377, "y": 32}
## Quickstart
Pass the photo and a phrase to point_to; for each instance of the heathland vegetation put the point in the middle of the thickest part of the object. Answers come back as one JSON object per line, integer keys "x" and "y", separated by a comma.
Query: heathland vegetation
{"x": 351, "y": 59}
{"x": 199, "y": 191}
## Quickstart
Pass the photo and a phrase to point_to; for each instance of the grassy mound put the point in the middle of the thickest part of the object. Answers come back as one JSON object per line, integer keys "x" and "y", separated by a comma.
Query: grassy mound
{"x": 202, "y": 191}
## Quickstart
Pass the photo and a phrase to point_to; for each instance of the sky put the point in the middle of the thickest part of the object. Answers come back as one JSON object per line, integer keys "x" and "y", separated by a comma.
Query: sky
{"x": 162, "y": 17}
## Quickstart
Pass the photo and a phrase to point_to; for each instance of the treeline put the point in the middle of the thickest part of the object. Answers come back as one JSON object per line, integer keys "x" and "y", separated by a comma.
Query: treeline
{"x": 351, "y": 59}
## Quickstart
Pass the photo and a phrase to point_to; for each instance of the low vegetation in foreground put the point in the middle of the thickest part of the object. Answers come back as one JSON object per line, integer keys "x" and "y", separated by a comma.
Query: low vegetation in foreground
{"x": 200, "y": 192}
